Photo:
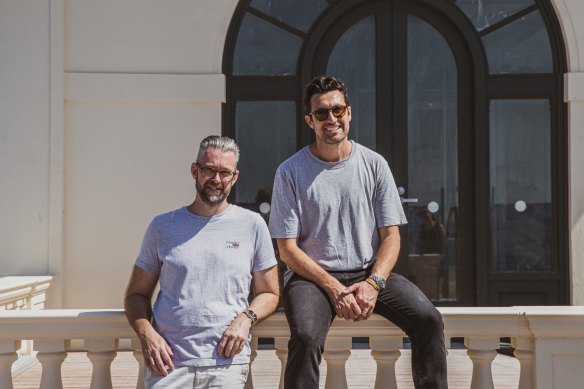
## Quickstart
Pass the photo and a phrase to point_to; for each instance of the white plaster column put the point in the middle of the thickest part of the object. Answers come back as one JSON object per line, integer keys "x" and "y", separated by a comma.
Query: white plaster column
{"x": 137, "y": 347}
{"x": 51, "y": 354}
{"x": 481, "y": 351}
{"x": 281, "y": 345}
{"x": 524, "y": 354}
{"x": 385, "y": 351}
{"x": 336, "y": 352}
{"x": 252, "y": 356}
{"x": 101, "y": 353}
{"x": 7, "y": 357}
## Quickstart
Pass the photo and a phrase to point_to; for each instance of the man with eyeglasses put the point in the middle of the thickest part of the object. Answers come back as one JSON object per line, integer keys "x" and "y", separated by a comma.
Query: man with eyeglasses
{"x": 206, "y": 256}
{"x": 335, "y": 214}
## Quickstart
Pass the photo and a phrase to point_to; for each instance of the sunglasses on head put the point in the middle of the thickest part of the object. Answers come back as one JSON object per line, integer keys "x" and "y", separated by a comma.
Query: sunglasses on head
{"x": 322, "y": 114}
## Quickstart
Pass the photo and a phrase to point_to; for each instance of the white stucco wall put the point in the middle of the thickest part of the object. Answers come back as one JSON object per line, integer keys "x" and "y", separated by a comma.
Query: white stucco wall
{"x": 24, "y": 137}
{"x": 143, "y": 87}
{"x": 571, "y": 14}
{"x": 141, "y": 84}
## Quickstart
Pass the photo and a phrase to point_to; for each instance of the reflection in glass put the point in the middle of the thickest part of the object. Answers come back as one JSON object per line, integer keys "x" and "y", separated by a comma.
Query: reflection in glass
{"x": 353, "y": 61}
{"x": 266, "y": 134}
{"x": 522, "y": 46}
{"x": 520, "y": 157}
{"x": 297, "y": 13}
{"x": 433, "y": 161}
{"x": 263, "y": 49}
{"x": 485, "y": 13}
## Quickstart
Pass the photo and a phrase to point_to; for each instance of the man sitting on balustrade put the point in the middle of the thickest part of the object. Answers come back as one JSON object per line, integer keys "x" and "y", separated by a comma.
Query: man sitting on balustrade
{"x": 206, "y": 256}
{"x": 335, "y": 215}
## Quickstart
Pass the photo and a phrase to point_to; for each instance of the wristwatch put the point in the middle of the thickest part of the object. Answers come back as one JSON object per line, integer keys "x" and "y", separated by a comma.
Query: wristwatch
{"x": 378, "y": 280}
{"x": 251, "y": 315}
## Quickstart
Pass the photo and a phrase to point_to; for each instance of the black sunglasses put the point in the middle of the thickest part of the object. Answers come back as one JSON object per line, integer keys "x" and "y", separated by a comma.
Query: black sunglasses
{"x": 322, "y": 114}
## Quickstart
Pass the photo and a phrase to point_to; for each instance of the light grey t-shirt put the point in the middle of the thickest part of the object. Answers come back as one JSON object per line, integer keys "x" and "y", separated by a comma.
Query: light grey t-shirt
{"x": 335, "y": 208}
{"x": 205, "y": 267}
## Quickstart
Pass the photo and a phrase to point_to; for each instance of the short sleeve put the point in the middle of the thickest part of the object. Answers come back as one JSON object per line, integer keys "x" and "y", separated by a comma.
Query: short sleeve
{"x": 264, "y": 256}
{"x": 388, "y": 208}
{"x": 284, "y": 221}
{"x": 148, "y": 258}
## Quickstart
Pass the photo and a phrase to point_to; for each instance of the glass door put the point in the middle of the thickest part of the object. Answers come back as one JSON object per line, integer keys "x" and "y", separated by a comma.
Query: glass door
{"x": 431, "y": 197}
{"x": 404, "y": 82}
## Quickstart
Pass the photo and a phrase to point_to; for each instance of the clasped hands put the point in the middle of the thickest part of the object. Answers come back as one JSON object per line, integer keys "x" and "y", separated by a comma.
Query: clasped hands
{"x": 356, "y": 302}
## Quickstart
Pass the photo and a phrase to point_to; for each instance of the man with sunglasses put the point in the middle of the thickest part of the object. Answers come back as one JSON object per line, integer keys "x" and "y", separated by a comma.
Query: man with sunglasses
{"x": 206, "y": 256}
{"x": 335, "y": 214}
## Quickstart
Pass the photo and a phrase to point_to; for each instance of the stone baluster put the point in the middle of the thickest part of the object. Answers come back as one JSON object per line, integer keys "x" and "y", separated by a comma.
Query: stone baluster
{"x": 481, "y": 351}
{"x": 385, "y": 351}
{"x": 281, "y": 345}
{"x": 336, "y": 352}
{"x": 252, "y": 356}
{"x": 137, "y": 347}
{"x": 7, "y": 357}
{"x": 524, "y": 354}
{"x": 51, "y": 354}
{"x": 101, "y": 353}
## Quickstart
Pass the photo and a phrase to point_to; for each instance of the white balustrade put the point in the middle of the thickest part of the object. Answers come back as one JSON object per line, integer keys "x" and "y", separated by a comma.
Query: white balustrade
{"x": 252, "y": 356}
{"x": 51, "y": 354}
{"x": 336, "y": 352}
{"x": 524, "y": 353}
{"x": 281, "y": 346}
{"x": 7, "y": 357}
{"x": 482, "y": 351}
{"x": 101, "y": 353}
{"x": 137, "y": 347}
{"x": 385, "y": 351}
{"x": 548, "y": 342}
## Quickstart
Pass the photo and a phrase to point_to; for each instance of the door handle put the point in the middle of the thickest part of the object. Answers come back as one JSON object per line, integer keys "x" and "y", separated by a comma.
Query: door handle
{"x": 408, "y": 200}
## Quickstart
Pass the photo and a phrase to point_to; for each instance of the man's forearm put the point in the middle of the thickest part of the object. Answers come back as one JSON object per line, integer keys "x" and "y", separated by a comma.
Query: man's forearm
{"x": 388, "y": 254}
{"x": 307, "y": 268}
{"x": 139, "y": 313}
{"x": 264, "y": 304}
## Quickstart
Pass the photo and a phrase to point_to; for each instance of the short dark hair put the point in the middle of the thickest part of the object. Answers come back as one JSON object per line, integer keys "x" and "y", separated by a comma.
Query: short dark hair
{"x": 323, "y": 84}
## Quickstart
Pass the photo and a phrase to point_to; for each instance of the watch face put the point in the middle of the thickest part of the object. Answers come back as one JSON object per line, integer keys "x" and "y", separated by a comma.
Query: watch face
{"x": 378, "y": 280}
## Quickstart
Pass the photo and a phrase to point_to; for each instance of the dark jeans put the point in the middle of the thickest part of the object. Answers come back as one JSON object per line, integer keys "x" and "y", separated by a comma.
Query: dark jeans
{"x": 310, "y": 315}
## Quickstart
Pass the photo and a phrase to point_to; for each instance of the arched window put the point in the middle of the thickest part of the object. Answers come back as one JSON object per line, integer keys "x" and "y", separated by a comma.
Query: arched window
{"x": 463, "y": 98}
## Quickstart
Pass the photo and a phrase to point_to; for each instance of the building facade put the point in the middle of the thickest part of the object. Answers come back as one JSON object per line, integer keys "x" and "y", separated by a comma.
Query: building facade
{"x": 476, "y": 104}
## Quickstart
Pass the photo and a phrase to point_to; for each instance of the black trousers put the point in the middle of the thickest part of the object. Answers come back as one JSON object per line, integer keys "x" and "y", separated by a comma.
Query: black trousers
{"x": 310, "y": 315}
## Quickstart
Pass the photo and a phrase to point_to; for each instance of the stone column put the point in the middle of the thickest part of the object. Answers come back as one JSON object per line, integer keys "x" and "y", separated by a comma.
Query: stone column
{"x": 385, "y": 351}
{"x": 336, "y": 352}
{"x": 101, "y": 353}
{"x": 481, "y": 351}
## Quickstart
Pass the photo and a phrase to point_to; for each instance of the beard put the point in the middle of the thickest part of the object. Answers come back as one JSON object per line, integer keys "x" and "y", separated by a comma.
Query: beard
{"x": 332, "y": 138}
{"x": 213, "y": 199}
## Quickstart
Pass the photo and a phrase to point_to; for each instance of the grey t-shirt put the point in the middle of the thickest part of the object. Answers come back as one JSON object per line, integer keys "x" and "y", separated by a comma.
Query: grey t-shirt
{"x": 335, "y": 208}
{"x": 205, "y": 267}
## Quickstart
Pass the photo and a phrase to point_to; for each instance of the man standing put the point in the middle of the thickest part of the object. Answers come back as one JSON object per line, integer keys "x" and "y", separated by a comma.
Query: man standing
{"x": 335, "y": 215}
{"x": 206, "y": 256}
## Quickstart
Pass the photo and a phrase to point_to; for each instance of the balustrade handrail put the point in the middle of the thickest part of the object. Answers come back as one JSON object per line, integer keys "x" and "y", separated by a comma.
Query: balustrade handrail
{"x": 538, "y": 334}
{"x": 23, "y": 288}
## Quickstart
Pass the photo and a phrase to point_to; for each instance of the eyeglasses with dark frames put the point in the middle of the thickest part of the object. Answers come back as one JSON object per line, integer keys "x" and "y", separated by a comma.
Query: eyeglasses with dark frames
{"x": 322, "y": 114}
{"x": 207, "y": 172}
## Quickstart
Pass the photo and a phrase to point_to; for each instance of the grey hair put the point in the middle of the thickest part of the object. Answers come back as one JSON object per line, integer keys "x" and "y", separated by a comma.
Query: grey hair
{"x": 223, "y": 143}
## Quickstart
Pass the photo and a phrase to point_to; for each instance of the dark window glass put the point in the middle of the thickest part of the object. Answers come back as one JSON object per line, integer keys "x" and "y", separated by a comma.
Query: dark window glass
{"x": 432, "y": 162}
{"x": 522, "y": 46}
{"x": 266, "y": 134}
{"x": 485, "y": 13}
{"x": 521, "y": 208}
{"x": 263, "y": 49}
{"x": 353, "y": 61}
{"x": 296, "y": 13}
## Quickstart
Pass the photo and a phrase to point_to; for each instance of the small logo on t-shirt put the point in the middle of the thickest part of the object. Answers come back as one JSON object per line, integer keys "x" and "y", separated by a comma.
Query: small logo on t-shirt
{"x": 231, "y": 245}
